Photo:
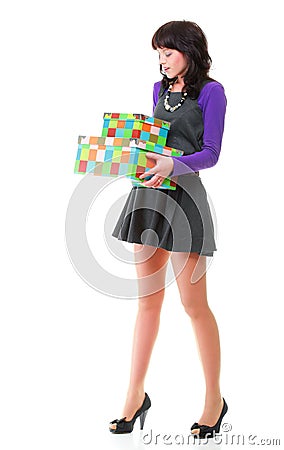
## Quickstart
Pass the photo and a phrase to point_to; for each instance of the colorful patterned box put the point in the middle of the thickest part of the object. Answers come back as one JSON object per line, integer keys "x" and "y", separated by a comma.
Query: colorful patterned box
{"x": 114, "y": 157}
{"x": 137, "y": 126}
{"x": 144, "y": 163}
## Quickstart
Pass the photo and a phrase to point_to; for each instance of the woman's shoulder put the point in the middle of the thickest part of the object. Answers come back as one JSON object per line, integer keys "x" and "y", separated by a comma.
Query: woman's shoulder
{"x": 157, "y": 87}
{"x": 209, "y": 86}
{"x": 212, "y": 85}
{"x": 212, "y": 90}
{"x": 157, "y": 84}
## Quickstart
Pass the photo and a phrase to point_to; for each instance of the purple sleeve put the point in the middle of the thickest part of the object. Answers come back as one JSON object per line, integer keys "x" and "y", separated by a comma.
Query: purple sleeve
{"x": 212, "y": 102}
{"x": 156, "y": 90}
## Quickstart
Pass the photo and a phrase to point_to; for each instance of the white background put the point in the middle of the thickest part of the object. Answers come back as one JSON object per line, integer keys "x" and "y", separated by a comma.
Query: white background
{"x": 65, "y": 348}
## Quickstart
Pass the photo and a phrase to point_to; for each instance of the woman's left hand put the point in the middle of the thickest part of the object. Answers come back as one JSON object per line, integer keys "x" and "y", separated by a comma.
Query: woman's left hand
{"x": 163, "y": 167}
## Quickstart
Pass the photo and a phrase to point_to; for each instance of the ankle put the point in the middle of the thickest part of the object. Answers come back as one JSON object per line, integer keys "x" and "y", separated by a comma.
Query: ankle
{"x": 213, "y": 397}
{"x": 135, "y": 391}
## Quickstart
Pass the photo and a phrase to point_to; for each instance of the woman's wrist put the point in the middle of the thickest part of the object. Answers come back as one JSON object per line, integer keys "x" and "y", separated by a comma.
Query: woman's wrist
{"x": 173, "y": 167}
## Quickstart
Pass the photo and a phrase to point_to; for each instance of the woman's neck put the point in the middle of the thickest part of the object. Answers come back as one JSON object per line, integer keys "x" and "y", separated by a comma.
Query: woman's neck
{"x": 178, "y": 85}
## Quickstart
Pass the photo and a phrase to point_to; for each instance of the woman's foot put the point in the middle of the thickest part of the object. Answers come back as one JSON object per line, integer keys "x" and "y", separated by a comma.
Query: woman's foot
{"x": 211, "y": 413}
{"x": 204, "y": 431}
{"x": 133, "y": 402}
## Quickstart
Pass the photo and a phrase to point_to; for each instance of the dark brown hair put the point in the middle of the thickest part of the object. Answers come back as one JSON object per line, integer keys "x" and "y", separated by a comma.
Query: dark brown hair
{"x": 188, "y": 38}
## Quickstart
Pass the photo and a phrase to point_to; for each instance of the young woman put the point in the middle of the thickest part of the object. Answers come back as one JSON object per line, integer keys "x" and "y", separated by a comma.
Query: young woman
{"x": 177, "y": 224}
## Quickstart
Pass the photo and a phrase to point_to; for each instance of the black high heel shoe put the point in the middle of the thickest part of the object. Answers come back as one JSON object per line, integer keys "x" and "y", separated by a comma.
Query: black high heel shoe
{"x": 208, "y": 432}
{"x": 126, "y": 426}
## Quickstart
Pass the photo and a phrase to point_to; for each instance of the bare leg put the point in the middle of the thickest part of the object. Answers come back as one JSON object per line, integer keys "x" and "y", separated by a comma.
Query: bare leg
{"x": 151, "y": 264}
{"x": 194, "y": 298}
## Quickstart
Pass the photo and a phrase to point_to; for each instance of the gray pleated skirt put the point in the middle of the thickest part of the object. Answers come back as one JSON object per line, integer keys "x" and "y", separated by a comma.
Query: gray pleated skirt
{"x": 176, "y": 220}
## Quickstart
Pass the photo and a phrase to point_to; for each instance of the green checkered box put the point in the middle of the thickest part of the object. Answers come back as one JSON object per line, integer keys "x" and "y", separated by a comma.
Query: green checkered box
{"x": 136, "y": 126}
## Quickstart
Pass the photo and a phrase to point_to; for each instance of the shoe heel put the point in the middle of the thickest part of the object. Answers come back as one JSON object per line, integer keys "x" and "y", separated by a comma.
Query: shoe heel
{"x": 142, "y": 419}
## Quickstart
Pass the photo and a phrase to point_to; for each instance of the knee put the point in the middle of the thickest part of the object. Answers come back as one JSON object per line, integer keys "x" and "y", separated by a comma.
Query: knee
{"x": 195, "y": 308}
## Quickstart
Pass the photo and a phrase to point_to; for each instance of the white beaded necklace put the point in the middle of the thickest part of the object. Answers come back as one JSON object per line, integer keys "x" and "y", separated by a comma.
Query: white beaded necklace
{"x": 167, "y": 106}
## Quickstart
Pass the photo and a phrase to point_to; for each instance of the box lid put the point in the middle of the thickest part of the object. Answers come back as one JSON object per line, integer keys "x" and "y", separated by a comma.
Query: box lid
{"x": 138, "y": 117}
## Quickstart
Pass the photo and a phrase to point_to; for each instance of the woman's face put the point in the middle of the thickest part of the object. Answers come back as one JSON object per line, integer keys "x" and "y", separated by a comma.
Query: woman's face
{"x": 173, "y": 62}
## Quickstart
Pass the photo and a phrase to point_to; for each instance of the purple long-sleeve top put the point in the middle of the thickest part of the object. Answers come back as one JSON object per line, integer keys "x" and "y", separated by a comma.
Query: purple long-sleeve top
{"x": 212, "y": 102}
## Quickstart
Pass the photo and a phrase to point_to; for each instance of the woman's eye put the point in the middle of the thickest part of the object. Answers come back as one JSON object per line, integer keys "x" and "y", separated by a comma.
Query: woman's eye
{"x": 166, "y": 55}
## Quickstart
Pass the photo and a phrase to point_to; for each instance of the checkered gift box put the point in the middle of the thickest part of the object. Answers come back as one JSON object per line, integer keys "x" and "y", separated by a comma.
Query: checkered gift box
{"x": 145, "y": 164}
{"x": 137, "y": 126}
{"x": 112, "y": 156}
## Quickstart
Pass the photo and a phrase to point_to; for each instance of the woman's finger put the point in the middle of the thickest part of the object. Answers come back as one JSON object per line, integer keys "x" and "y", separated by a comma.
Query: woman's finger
{"x": 149, "y": 172}
{"x": 152, "y": 155}
{"x": 155, "y": 181}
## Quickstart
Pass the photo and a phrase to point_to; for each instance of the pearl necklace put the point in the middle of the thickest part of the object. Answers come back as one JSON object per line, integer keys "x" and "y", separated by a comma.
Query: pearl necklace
{"x": 167, "y": 106}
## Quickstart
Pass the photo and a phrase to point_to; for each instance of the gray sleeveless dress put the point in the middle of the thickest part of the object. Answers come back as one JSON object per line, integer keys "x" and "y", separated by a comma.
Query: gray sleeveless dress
{"x": 177, "y": 220}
